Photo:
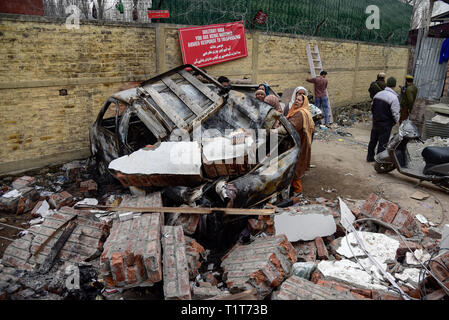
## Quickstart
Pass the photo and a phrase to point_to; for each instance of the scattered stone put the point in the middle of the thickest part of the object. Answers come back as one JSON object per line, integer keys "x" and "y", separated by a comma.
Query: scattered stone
{"x": 61, "y": 199}
{"x": 304, "y": 269}
{"x": 409, "y": 276}
{"x": 417, "y": 257}
{"x": 23, "y": 182}
{"x": 305, "y": 251}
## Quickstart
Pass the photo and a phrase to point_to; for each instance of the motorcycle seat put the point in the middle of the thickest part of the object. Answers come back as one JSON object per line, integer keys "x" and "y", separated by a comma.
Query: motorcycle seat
{"x": 435, "y": 155}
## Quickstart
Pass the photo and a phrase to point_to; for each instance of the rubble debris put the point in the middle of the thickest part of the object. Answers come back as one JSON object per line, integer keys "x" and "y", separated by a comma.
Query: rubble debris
{"x": 321, "y": 250}
{"x": 88, "y": 188}
{"x": 421, "y": 219}
{"x": 22, "y": 182}
{"x": 60, "y": 199}
{"x": 440, "y": 266}
{"x": 350, "y": 273}
{"x": 389, "y": 212}
{"x": 305, "y": 251}
{"x": 85, "y": 242}
{"x": 410, "y": 277}
{"x": 305, "y": 222}
{"x": 41, "y": 209}
{"x": 202, "y": 293}
{"x": 262, "y": 265}
{"x": 418, "y": 195}
{"x": 304, "y": 269}
{"x": 189, "y": 222}
{"x": 19, "y": 200}
{"x": 132, "y": 252}
{"x": 297, "y": 288}
{"x": 176, "y": 273}
{"x": 444, "y": 244}
{"x": 195, "y": 254}
{"x": 150, "y": 166}
{"x": 416, "y": 258}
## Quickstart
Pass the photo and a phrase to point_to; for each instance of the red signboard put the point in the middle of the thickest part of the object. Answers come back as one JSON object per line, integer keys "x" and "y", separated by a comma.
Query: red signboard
{"x": 157, "y": 14}
{"x": 207, "y": 45}
{"x": 31, "y": 7}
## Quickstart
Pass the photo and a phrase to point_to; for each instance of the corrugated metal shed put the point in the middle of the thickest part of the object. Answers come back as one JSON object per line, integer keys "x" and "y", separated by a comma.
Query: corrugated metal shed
{"x": 429, "y": 74}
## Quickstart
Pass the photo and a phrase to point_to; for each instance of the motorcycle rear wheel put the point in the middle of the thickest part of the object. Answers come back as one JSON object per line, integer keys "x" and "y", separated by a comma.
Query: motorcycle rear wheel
{"x": 383, "y": 167}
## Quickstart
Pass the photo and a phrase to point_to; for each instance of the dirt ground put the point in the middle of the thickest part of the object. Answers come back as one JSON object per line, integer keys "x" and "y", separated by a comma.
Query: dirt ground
{"x": 340, "y": 165}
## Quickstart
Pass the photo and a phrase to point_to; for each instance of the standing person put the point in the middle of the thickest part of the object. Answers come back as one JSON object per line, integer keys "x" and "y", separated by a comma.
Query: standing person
{"x": 385, "y": 109}
{"x": 408, "y": 97}
{"x": 301, "y": 119}
{"x": 321, "y": 99}
{"x": 377, "y": 85}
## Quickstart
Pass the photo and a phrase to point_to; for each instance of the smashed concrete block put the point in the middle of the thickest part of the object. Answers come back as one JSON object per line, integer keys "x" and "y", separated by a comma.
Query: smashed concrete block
{"x": 305, "y": 222}
{"x": 262, "y": 265}
{"x": 86, "y": 241}
{"x": 23, "y": 182}
{"x": 176, "y": 273}
{"x": 221, "y": 157}
{"x": 72, "y": 170}
{"x": 172, "y": 163}
{"x": 350, "y": 273}
{"x": 60, "y": 199}
{"x": 132, "y": 252}
{"x": 87, "y": 201}
{"x": 380, "y": 246}
{"x": 195, "y": 255}
{"x": 346, "y": 216}
{"x": 296, "y": 288}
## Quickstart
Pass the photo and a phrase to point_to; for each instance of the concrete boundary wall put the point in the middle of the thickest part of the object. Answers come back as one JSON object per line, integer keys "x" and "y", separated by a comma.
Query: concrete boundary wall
{"x": 40, "y": 56}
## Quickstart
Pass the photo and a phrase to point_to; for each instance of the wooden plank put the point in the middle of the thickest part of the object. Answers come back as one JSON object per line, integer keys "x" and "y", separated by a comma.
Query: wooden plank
{"x": 195, "y": 108}
{"x": 166, "y": 108}
{"x": 160, "y": 117}
{"x": 196, "y": 210}
{"x": 209, "y": 112}
{"x": 199, "y": 85}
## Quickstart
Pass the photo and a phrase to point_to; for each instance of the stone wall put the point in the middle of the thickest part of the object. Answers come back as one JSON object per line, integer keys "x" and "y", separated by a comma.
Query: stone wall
{"x": 41, "y": 56}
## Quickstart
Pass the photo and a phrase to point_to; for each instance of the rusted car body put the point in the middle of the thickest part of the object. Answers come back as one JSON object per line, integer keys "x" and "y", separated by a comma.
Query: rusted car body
{"x": 152, "y": 112}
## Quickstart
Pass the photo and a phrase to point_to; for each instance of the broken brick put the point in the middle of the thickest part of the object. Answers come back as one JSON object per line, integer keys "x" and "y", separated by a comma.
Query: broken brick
{"x": 322, "y": 253}
{"x": 194, "y": 252}
{"x": 60, "y": 199}
{"x": 23, "y": 182}
{"x": 88, "y": 187}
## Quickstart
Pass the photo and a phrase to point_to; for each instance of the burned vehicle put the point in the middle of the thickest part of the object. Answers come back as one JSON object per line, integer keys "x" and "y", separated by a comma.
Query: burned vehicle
{"x": 143, "y": 135}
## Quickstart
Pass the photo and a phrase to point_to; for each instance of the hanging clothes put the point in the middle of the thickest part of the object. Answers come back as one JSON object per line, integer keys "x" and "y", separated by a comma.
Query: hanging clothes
{"x": 94, "y": 12}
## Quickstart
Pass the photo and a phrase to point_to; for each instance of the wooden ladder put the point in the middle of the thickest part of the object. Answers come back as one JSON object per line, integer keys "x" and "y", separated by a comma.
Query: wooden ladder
{"x": 315, "y": 63}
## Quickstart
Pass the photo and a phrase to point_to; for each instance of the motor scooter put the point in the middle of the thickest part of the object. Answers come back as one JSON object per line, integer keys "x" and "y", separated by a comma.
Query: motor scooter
{"x": 435, "y": 168}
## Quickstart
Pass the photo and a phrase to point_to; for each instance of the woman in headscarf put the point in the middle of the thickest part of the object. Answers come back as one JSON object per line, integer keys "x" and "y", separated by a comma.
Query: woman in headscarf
{"x": 273, "y": 101}
{"x": 300, "y": 117}
{"x": 260, "y": 95}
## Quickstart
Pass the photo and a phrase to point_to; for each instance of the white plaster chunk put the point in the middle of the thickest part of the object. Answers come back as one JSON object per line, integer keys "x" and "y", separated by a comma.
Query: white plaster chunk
{"x": 409, "y": 276}
{"x": 305, "y": 223}
{"x": 444, "y": 243}
{"x": 421, "y": 219}
{"x": 221, "y": 148}
{"x": 349, "y": 272}
{"x": 181, "y": 158}
{"x": 44, "y": 210}
{"x": 417, "y": 257}
{"x": 87, "y": 201}
{"x": 378, "y": 245}
{"x": 12, "y": 194}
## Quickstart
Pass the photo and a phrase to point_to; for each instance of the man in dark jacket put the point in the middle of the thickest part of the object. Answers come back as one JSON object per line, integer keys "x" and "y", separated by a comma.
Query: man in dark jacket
{"x": 385, "y": 109}
{"x": 408, "y": 97}
{"x": 377, "y": 85}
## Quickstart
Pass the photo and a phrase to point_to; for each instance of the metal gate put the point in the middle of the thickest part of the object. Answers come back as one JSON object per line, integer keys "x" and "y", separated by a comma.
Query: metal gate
{"x": 429, "y": 74}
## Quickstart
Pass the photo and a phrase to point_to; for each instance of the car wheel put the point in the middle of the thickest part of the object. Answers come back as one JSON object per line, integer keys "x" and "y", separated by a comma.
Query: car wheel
{"x": 383, "y": 167}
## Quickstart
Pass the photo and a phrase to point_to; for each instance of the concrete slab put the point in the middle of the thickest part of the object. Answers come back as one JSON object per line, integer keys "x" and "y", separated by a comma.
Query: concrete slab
{"x": 305, "y": 223}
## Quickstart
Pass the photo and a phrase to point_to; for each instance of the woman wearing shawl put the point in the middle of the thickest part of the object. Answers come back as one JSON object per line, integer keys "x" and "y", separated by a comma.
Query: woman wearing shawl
{"x": 300, "y": 117}
{"x": 273, "y": 101}
{"x": 260, "y": 95}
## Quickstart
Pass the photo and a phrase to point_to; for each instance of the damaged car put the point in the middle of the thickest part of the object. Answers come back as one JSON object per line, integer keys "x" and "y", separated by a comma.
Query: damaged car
{"x": 200, "y": 142}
